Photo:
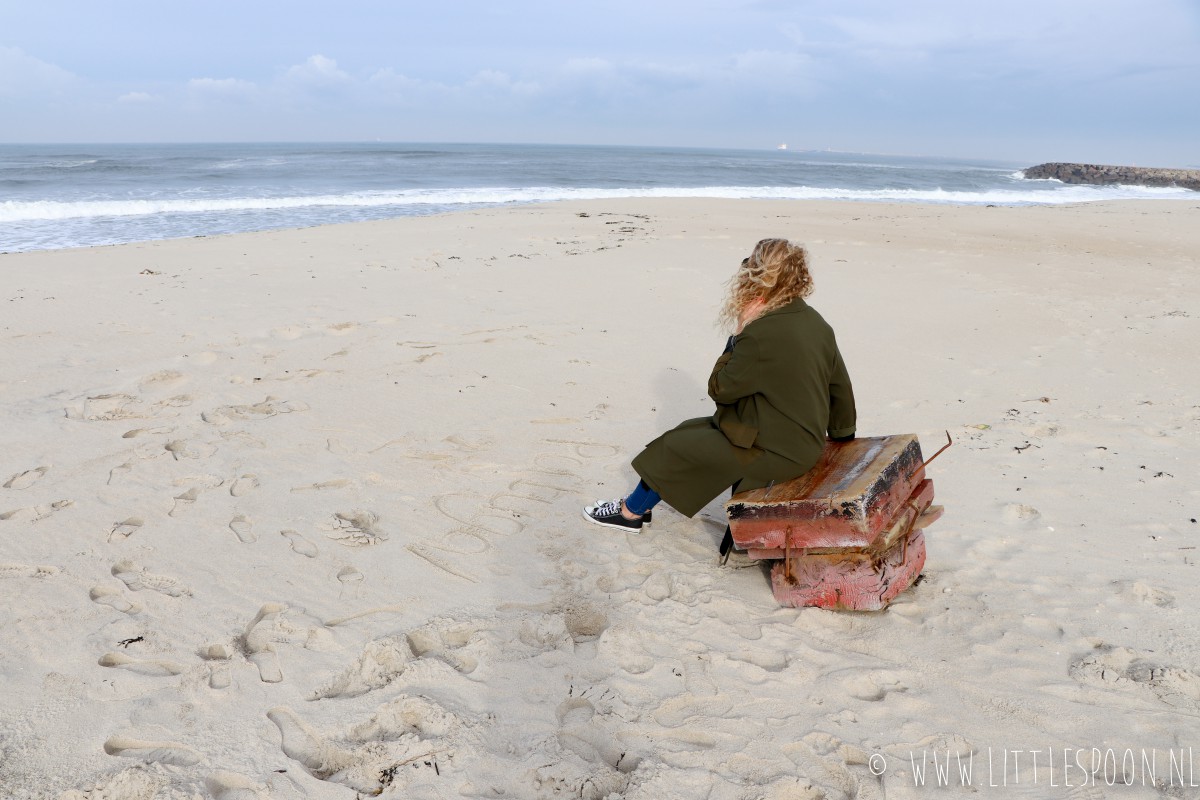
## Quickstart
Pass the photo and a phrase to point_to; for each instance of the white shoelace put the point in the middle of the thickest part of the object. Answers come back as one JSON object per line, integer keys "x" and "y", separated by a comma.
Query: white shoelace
{"x": 607, "y": 508}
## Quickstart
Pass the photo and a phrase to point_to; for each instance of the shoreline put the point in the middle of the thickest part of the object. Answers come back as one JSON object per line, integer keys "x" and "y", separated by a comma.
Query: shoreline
{"x": 529, "y": 204}
{"x": 308, "y": 500}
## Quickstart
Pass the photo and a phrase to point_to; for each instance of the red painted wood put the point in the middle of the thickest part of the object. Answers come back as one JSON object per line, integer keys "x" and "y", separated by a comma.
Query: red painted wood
{"x": 850, "y": 581}
{"x": 916, "y": 508}
{"x": 849, "y": 533}
{"x": 847, "y": 500}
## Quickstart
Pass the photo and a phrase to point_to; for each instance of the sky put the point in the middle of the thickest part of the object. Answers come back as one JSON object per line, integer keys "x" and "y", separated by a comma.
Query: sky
{"x": 1103, "y": 81}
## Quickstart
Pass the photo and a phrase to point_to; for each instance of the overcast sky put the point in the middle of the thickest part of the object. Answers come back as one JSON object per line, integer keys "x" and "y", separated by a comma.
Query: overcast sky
{"x": 1024, "y": 80}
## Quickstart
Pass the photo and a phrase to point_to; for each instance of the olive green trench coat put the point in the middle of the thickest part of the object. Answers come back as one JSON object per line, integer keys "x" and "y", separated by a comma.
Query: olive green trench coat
{"x": 779, "y": 391}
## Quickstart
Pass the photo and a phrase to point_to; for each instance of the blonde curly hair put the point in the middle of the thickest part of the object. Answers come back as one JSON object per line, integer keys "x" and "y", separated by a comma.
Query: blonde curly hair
{"x": 777, "y": 272}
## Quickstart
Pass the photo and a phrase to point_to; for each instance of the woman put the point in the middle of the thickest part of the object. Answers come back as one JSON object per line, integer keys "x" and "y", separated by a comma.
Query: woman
{"x": 780, "y": 387}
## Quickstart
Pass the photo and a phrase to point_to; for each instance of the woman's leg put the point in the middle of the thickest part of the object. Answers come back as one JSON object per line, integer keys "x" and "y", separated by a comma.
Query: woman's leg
{"x": 641, "y": 500}
{"x": 629, "y": 514}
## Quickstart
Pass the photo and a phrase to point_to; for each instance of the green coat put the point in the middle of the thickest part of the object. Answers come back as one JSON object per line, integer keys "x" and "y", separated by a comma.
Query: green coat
{"x": 779, "y": 391}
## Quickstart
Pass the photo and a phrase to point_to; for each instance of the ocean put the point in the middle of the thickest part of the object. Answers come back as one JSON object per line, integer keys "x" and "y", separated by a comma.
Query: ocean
{"x": 57, "y": 196}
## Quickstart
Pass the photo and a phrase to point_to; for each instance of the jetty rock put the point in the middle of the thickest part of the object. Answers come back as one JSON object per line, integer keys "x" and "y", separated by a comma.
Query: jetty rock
{"x": 1101, "y": 175}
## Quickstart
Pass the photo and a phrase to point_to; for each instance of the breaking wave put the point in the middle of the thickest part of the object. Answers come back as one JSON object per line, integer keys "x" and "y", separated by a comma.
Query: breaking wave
{"x": 46, "y": 210}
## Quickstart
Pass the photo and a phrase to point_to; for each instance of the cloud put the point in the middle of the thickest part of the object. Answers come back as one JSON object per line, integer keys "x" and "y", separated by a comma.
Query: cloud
{"x": 390, "y": 80}
{"x": 588, "y": 66}
{"x": 317, "y": 71}
{"x": 1065, "y": 37}
{"x": 207, "y": 94}
{"x": 22, "y": 74}
{"x": 226, "y": 87}
{"x": 784, "y": 72}
{"x": 502, "y": 81}
{"x": 136, "y": 98}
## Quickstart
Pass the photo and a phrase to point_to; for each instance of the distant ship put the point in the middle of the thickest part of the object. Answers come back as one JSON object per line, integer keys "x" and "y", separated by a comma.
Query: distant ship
{"x": 782, "y": 146}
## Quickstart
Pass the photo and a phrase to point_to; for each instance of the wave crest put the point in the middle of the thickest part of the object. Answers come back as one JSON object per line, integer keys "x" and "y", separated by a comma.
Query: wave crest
{"x": 46, "y": 210}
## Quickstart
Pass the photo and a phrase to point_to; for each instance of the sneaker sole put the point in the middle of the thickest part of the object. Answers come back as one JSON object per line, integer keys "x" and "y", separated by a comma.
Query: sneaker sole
{"x": 613, "y": 525}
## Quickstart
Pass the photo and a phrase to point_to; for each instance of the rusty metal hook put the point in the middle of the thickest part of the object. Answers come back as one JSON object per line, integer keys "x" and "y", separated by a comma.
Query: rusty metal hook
{"x": 941, "y": 450}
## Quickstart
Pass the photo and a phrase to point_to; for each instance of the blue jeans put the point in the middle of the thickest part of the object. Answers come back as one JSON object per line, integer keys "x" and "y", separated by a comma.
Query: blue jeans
{"x": 642, "y": 499}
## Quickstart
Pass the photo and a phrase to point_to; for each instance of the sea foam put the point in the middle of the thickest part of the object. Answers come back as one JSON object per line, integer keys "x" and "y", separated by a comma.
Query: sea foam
{"x": 21, "y": 211}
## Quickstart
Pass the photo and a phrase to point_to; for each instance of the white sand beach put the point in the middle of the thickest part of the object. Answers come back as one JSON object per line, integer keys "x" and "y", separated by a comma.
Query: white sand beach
{"x": 296, "y": 514}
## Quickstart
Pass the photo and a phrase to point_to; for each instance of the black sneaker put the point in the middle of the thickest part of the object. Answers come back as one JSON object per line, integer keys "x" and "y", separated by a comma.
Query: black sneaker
{"x": 647, "y": 518}
{"x": 608, "y": 514}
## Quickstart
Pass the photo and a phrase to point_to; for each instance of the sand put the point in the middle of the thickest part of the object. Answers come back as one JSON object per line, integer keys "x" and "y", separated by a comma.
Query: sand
{"x": 296, "y": 514}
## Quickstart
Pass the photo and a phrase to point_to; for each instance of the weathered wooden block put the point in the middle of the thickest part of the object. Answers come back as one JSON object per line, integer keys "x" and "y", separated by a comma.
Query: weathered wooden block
{"x": 916, "y": 508}
{"x": 850, "y": 581}
{"x": 847, "y": 500}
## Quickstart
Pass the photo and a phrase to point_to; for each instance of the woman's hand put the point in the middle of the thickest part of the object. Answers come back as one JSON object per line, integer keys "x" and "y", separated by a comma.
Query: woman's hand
{"x": 750, "y": 312}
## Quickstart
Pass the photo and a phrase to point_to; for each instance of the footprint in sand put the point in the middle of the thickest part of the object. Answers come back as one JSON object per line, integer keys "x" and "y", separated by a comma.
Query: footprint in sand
{"x": 323, "y": 759}
{"x": 243, "y": 439}
{"x": 545, "y": 632}
{"x": 136, "y": 578}
{"x": 136, "y": 432}
{"x": 107, "y": 407}
{"x": 443, "y": 644}
{"x": 202, "y": 481}
{"x": 154, "y": 752}
{"x": 584, "y": 621}
{"x": 243, "y": 528}
{"x": 244, "y": 485}
{"x": 384, "y": 660}
{"x": 873, "y": 686}
{"x": 269, "y": 407}
{"x": 380, "y": 662}
{"x": 1017, "y": 513}
{"x": 573, "y": 777}
{"x": 609, "y": 760}
{"x": 299, "y": 544}
{"x": 23, "y": 480}
{"x": 351, "y": 579}
{"x": 626, "y": 646}
{"x": 381, "y": 747}
{"x": 123, "y": 530}
{"x": 184, "y": 448}
{"x": 9, "y": 570}
{"x": 675, "y": 711}
{"x": 270, "y": 628}
{"x": 118, "y": 472}
{"x": 232, "y": 786}
{"x": 260, "y": 639}
{"x": 178, "y": 401}
{"x": 218, "y": 656}
{"x": 356, "y": 528}
{"x": 696, "y": 668}
{"x": 830, "y": 768}
{"x": 1146, "y": 593}
{"x": 663, "y": 585}
{"x": 161, "y": 380}
{"x": 153, "y": 668}
{"x": 1124, "y": 669}
{"x": 183, "y": 501}
{"x": 35, "y": 513}
{"x": 113, "y": 598}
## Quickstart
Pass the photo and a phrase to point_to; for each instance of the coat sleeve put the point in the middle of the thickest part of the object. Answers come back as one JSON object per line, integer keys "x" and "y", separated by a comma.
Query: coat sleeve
{"x": 733, "y": 376}
{"x": 842, "y": 415}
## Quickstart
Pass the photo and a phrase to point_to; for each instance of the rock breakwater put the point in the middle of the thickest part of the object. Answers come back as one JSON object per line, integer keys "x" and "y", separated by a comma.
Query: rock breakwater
{"x": 1102, "y": 175}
